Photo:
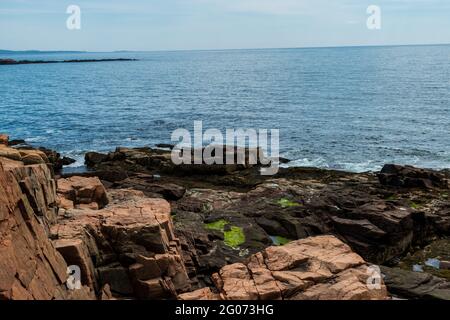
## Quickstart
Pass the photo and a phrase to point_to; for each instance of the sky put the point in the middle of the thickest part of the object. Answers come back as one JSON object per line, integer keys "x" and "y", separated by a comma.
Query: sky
{"x": 147, "y": 25}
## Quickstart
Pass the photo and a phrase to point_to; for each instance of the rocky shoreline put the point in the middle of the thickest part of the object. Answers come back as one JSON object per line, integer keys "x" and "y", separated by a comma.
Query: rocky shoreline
{"x": 15, "y": 62}
{"x": 140, "y": 227}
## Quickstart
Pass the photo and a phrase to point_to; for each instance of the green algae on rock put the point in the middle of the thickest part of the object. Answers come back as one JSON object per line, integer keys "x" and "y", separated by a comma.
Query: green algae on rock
{"x": 218, "y": 225}
{"x": 233, "y": 237}
{"x": 286, "y": 203}
{"x": 415, "y": 205}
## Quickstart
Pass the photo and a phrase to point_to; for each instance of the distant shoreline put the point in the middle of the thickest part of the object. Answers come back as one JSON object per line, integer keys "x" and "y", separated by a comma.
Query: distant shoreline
{"x": 33, "y": 52}
{"x": 16, "y": 62}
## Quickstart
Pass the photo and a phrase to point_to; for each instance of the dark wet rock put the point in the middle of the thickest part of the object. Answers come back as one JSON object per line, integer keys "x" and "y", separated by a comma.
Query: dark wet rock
{"x": 16, "y": 142}
{"x": 283, "y": 160}
{"x": 148, "y": 185}
{"x": 7, "y": 61}
{"x": 272, "y": 226}
{"x": 65, "y": 161}
{"x": 165, "y": 146}
{"x": 94, "y": 158}
{"x": 168, "y": 191}
{"x": 116, "y": 277}
{"x": 415, "y": 285}
{"x": 152, "y": 160}
{"x": 106, "y": 176}
{"x": 354, "y": 209}
{"x": 411, "y": 177}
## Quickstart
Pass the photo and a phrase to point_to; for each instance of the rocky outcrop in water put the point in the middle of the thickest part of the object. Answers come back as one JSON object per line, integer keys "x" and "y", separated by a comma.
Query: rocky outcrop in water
{"x": 410, "y": 177}
{"x": 29, "y": 155}
{"x": 15, "y": 62}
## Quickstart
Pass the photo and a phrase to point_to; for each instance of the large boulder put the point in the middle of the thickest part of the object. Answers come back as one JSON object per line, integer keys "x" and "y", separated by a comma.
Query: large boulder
{"x": 94, "y": 158}
{"x": 83, "y": 191}
{"x": 316, "y": 268}
{"x": 10, "y": 153}
{"x": 130, "y": 244}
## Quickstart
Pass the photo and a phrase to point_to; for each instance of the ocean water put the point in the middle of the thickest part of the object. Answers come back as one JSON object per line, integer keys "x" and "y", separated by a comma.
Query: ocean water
{"x": 344, "y": 108}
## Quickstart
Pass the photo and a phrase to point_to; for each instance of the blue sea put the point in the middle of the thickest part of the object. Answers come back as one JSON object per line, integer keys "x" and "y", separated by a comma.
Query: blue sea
{"x": 352, "y": 108}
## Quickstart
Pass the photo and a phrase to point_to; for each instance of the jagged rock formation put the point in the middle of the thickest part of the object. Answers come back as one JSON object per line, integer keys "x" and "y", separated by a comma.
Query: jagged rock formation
{"x": 126, "y": 249}
{"x": 29, "y": 155}
{"x": 30, "y": 267}
{"x": 141, "y": 228}
{"x": 317, "y": 268}
{"x": 129, "y": 249}
{"x": 129, "y": 245}
{"x": 82, "y": 192}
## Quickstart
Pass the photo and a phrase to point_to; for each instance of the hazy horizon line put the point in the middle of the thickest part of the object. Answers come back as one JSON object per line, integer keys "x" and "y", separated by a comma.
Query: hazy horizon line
{"x": 224, "y": 49}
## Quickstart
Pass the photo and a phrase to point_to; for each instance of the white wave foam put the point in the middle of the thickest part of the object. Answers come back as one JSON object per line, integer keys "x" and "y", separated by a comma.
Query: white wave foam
{"x": 79, "y": 159}
{"x": 322, "y": 163}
